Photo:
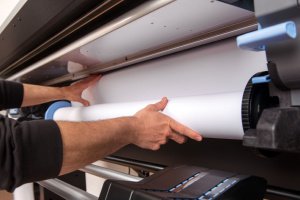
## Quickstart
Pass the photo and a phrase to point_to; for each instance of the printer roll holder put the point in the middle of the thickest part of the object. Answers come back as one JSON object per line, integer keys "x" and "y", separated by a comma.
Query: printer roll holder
{"x": 278, "y": 126}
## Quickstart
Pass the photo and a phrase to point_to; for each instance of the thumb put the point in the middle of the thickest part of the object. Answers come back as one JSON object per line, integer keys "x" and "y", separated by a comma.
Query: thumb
{"x": 84, "y": 102}
{"x": 160, "y": 106}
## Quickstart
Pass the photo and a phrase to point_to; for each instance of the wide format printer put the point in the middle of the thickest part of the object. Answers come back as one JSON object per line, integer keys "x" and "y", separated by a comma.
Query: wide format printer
{"x": 230, "y": 69}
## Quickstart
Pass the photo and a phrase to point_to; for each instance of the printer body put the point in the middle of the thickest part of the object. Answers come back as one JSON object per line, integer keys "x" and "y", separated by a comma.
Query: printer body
{"x": 175, "y": 48}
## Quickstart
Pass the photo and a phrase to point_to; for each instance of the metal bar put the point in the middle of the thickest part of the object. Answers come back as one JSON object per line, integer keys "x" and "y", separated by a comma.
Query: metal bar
{"x": 283, "y": 193}
{"x": 108, "y": 173}
{"x": 134, "y": 163}
{"x": 65, "y": 190}
{"x": 147, "y": 7}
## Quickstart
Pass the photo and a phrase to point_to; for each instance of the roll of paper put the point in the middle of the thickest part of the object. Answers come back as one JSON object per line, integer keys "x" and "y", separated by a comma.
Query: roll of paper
{"x": 213, "y": 116}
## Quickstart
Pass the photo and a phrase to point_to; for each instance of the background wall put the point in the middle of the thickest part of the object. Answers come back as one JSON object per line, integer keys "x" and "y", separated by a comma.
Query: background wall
{"x": 8, "y": 9}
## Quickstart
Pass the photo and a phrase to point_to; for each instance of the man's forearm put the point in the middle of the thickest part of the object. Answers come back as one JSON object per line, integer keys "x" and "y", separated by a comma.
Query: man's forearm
{"x": 86, "y": 142}
{"x": 35, "y": 94}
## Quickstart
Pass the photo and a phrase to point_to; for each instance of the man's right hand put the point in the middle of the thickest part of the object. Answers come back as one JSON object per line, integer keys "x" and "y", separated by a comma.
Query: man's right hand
{"x": 154, "y": 128}
{"x": 86, "y": 142}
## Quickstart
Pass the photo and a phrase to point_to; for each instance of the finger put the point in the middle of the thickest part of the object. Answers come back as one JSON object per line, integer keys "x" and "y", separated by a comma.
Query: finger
{"x": 155, "y": 147}
{"x": 159, "y": 106}
{"x": 180, "y": 139}
{"x": 84, "y": 102}
{"x": 164, "y": 141}
{"x": 176, "y": 126}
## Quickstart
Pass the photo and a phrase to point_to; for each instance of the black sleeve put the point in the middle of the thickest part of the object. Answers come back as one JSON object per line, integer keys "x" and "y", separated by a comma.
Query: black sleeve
{"x": 29, "y": 151}
{"x": 11, "y": 94}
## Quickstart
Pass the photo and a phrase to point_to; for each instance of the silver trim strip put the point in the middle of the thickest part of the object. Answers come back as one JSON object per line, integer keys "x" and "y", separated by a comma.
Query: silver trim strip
{"x": 66, "y": 190}
{"x": 134, "y": 163}
{"x": 108, "y": 173}
{"x": 107, "y": 191}
{"x": 283, "y": 193}
{"x": 131, "y": 194}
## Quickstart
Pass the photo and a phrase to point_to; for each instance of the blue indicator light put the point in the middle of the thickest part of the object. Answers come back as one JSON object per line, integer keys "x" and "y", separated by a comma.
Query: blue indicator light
{"x": 261, "y": 79}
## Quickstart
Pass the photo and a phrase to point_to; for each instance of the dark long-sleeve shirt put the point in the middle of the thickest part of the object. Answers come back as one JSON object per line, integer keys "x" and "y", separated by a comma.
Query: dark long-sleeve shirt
{"x": 29, "y": 151}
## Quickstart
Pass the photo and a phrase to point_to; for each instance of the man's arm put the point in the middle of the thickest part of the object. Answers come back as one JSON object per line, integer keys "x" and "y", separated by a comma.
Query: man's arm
{"x": 42, "y": 149}
{"x": 29, "y": 151}
{"x": 86, "y": 142}
{"x": 11, "y": 94}
{"x": 35, "y": 94}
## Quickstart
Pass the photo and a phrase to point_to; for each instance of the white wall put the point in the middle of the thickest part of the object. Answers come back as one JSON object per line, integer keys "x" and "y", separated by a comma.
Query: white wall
{"x": 8, "y": 9}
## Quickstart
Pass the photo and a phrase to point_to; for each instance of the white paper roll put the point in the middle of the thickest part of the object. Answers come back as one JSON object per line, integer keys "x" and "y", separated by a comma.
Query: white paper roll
{"x": 24, "y": 192}
{"x": 214, "y": 116}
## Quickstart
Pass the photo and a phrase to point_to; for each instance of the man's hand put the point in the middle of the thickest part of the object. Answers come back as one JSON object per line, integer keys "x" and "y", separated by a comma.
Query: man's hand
{"x": 155, "y": 128}
{"x": 36, "y": 94}
{"x": 74, "y": 91}
{"x": 86, "y": 142}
